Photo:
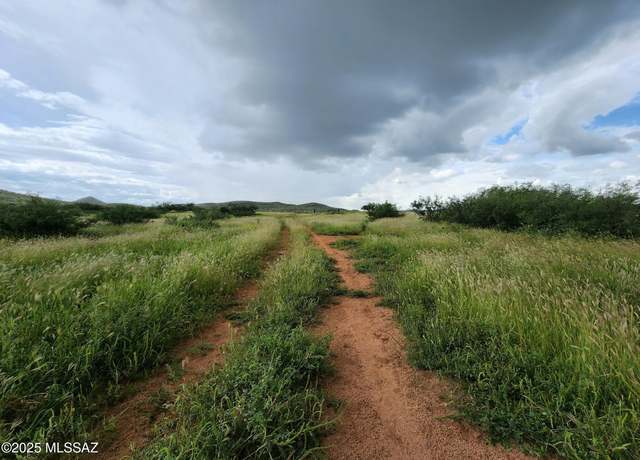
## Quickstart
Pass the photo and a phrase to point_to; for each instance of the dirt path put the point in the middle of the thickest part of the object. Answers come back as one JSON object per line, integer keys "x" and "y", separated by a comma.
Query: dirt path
{"x": 136, "y": 416}
{"x": 390, "y": 410}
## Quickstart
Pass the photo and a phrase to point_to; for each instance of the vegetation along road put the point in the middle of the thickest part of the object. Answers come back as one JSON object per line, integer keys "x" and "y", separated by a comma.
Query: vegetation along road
{"x": 198, "y": 333}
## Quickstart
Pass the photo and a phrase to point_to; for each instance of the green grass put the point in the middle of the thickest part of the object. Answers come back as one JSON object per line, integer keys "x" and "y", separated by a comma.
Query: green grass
{"x": 264, "y": 402}
{"x": 542, "y": 332}
{"x": 352, "y": 223}
{"x": 80, "y": 315}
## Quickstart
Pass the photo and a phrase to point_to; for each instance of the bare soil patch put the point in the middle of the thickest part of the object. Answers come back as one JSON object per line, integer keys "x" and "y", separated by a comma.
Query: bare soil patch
{"x": 389, "y": 410}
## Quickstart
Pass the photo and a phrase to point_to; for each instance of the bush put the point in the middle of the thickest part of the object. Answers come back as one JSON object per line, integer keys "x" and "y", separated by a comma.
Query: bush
{"x": 127, "y": 213}
{"x": 178, "y": 207}
{"x": 89, "y": 206}
{"x": 380, "y": 210}
{"x": 202, "y": 218}
{"x": 616, "y": 211}
{"x": 240, "y": 210}
{"x": 38, "y": 217}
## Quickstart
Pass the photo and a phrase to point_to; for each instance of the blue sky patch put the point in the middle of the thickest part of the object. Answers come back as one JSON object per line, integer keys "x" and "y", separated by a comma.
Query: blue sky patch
{"x": 21, "y": 112}
{"x": 502, "y": 139}
{"x": 626, "y": 115}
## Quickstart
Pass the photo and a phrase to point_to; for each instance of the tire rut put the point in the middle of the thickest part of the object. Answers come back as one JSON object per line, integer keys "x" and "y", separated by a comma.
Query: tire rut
{"x": 136, "y": 416}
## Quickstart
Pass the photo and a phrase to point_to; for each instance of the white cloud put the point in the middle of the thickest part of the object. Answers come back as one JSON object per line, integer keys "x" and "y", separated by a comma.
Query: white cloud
{"x": 146, "y": 102}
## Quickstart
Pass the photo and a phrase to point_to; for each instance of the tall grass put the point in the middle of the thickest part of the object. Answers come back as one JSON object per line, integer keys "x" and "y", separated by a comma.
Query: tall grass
{"x": 80, "y": 315}
{"x": 352, "y": 223}
{"x": 264, "y": 402}
{"x": 543, "y": 333}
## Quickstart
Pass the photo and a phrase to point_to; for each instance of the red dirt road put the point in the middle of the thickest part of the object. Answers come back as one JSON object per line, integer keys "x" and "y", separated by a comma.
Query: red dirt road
{"x": 390, "y": 410}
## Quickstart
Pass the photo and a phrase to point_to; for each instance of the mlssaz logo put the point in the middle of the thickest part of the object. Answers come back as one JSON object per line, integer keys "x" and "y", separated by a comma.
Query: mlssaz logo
{"x": 72, "y": 447}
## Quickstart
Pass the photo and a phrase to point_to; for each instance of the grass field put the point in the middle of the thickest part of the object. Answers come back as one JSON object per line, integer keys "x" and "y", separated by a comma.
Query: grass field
{"x": 264, "y": 402}
{"x": 352, "y": 223}
{"x": 542, "y": 332}
{"x": 80, "y": 315}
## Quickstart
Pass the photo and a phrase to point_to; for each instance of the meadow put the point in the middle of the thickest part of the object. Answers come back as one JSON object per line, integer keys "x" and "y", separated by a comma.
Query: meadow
{"x": 81, "y": 315}
{"x": 265, "y": 400}
{"x": 350, "y": 223}
{"x": 541, "y": 332}
{"x": 538, "y": 333}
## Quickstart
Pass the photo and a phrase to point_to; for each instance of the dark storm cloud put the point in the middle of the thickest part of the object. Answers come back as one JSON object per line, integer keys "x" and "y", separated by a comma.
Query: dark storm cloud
{"x": 325, "y": 74}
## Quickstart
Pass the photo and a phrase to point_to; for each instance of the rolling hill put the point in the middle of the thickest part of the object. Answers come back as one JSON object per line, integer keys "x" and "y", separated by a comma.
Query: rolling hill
{"x": 91, "y": 200}
{"x": 276, "y": 206}
{"x": 13, "y": 197}
{"x": 271, "y": 206}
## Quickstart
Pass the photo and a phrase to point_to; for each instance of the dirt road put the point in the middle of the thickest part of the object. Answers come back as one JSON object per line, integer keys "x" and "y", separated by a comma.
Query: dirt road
{"x": 390, "y": 410}
{"x": 135, "y": 417}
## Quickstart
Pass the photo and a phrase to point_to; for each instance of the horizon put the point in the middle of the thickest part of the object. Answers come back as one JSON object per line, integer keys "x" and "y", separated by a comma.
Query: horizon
{"x": 339, "y": 104}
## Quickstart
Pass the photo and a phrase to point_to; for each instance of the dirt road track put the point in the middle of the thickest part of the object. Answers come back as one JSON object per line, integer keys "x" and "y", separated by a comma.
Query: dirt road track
{"x": 133, "y": 416}
{"x": 390, "y": 410}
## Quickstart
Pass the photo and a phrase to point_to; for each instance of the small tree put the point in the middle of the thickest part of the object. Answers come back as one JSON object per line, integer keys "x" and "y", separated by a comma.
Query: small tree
{"x": 178, "y": 207}
{"x": 38, "y": 217}
{"x": 380, "y": 210}
{"x": 242, "y": 210}
{"x": 127, "y": 213}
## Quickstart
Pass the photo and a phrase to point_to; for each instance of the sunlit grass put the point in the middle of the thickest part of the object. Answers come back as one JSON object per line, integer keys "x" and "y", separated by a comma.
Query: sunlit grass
{"x": 351, "y": 223}
{"x": 79, "y": 315}
{"x": 544, "y": 332}
{"x": 264, "y": 402}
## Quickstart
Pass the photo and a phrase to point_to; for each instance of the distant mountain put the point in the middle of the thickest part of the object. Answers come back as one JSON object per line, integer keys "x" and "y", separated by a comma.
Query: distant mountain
{"x": 272, "y": 206}
{"x": 276, "y": 206}
{"x": 91, "y": 200}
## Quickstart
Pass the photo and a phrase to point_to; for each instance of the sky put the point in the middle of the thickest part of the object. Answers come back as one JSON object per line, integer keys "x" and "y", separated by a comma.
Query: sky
{"x": 344, "y": 103}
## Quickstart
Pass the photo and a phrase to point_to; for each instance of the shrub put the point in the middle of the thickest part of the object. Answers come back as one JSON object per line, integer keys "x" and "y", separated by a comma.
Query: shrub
{"x": 38, "y": 217}
{"x": 380, "y": 210}
{"x": 201, "y": 218}
{"x": 127, "y": 213}
{"x": 615, "y": 211}
{"x": 179, "y": 207}
{"x": 240, "y": 210}
{"x": 89, "y": 206}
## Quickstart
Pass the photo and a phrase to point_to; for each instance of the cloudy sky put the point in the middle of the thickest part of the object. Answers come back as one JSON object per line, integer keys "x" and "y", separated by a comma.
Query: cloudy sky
{"x": 342, "y": 102}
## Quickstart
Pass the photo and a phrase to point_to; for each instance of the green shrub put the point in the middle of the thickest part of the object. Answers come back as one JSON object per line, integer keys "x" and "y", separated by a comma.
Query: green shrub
{"x": 89, "y": 206}
{"x": 38, "y": 217}
{"x": 380, "y": 210}
{"x": 616, "y": 211}
{"x": 127, "y": 214}
{"x": 239, "y": 210}
{"x": 201, "y": 218}
{"x": 178, "y": 207}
